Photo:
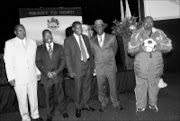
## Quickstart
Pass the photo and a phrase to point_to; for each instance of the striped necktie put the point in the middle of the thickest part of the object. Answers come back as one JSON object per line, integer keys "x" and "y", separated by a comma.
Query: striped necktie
{"x": 82, "y": 49}
{"x": 50, "y": 51}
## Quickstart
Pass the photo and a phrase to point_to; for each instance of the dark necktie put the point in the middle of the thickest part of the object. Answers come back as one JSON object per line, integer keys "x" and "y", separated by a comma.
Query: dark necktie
{"x": 50, "y": 51}
{"x": 82, "y": 49}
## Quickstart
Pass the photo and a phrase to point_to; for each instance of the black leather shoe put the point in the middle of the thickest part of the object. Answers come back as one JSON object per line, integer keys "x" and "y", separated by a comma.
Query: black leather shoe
{"x": 38, "y": 119}
{"x": 88, "y": 109}
{"x": 120, "y": 108}
{"x": 65, "y": 115}
{"x": 78, "y": 113}
{"x": 49, "y": 119}
{"x": 102, "y": 109}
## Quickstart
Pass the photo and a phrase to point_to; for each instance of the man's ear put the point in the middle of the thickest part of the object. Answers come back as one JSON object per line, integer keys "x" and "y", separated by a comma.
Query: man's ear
{"x": 73, "y": 28}
{"x": 15, "y": 32}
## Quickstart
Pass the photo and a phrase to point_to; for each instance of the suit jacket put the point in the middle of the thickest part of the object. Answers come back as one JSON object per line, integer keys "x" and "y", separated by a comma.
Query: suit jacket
{"x": 142, "y": 61}
{"x": 45, "y": 64}
{"x": 20, "y": 61}
{"x": 104, "y": 57}
{"x": 73, "y": 54}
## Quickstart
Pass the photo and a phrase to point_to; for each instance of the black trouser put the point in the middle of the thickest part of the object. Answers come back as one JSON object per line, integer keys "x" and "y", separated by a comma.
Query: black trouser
{"x": 83, "y": 85}
{"x": 55, "y": 98}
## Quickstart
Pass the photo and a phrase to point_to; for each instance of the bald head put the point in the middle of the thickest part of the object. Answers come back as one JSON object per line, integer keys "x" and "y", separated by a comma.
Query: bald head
{"x": 148, "y": 18}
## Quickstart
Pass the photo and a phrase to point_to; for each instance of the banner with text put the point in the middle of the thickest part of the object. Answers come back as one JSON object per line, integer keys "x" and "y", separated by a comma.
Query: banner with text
{"x": 57, "y": 20}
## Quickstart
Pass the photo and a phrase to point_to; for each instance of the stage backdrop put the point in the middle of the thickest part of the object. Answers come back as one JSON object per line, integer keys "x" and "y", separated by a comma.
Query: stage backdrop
{"x": 57, "y": 20}
{"x": 162, "y": 9}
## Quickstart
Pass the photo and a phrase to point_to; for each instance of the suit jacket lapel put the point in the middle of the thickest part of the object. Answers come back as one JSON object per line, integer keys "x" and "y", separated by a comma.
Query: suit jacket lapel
{"x": 45, "y": 50}
{"x": 96, "y": 41}
{"x": 54, "y": 50}
{"x": 105, "y": 39}
{"x": 26, "y": 44}
{"x": 76, "y": 44}
{"x": 86, "y": 44}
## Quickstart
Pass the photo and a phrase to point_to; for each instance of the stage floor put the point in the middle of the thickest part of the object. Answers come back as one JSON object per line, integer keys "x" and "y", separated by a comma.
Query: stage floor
{"x": 168, "y": 103}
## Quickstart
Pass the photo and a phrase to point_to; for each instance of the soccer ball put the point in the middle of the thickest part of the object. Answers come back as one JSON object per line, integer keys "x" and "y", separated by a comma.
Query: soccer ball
{"x": 149, "y": 45}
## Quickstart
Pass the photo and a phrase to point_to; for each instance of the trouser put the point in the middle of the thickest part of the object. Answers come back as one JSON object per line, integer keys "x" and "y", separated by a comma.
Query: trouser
{"x": 94, "y": 88}
{"x": 23, "y": 93}
{"x": 146, "y": 88}
{"x": 83, "y": 86}
{"x": 54, "y": 98}
{"x": 111, "y": 78}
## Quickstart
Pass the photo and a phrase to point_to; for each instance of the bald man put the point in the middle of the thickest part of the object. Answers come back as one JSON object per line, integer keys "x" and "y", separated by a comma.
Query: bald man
{"x": 147, "y": 45}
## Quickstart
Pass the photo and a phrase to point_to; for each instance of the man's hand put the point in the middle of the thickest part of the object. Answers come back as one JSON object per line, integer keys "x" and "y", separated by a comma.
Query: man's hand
{"x": 158, "y": 46}
{"x": 12, "y": 82}
{"x": 72, "y": 75}
{"x": 94, "y": 73}
{"x": 54, "y": 73}
{"x": 39, "y": 77}
{"x": 49, "y": 75}
{"x": 141, "y": 47}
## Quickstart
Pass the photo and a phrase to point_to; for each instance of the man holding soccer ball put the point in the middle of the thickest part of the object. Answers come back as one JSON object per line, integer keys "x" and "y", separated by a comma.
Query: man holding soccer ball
{"x": 147, "y": 45}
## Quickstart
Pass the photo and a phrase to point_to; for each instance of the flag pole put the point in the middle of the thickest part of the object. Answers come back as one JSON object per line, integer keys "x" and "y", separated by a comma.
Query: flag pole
{"x": 128, "y": 11}
{"x": 122, "y": 10}
{"x": 139, "y": 10}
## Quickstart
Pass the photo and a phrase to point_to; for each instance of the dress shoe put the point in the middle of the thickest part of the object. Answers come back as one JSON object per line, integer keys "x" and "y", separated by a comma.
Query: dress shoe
{"x": 78, "y": 113}
{"x": 38, "y": 119}
{"x": 140, "y": 111}
{"x": 49, "y": 119}
{"x": 65, "y": 115}
{"x": 88, "y": 109}
{"x": 154, "y": 108}
{"x": 119, "y": 108}
{"x": 102, "y": 109}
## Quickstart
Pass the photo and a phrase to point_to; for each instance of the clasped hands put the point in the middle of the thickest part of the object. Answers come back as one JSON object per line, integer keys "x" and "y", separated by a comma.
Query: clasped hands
{"x": 150, "y": 45}
{"x": 72, "y": 75}
{"x": 51, "y": 74}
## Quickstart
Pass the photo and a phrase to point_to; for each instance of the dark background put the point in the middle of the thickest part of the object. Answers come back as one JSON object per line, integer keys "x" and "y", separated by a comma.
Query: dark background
{"x": 107, "y": 10}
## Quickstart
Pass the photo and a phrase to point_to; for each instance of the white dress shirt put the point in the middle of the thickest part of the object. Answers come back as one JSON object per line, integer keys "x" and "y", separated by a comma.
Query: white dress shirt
{"x": 22, "y": 41}
{"x": 77, "y": 39}
{"x": 99, "y": 39}
{"x": 47, "y": 46}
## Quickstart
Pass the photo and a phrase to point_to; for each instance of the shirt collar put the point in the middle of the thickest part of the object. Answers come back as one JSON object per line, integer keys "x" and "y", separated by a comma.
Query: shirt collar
{"x": 21, "y": 39}
{"x": 52, "y": 44}
{"x": 102, "y": 36}
{"x": 77, "y": 36}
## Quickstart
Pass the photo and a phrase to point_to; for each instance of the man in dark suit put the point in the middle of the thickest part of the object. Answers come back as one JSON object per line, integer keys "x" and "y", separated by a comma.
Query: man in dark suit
{"x": 79, "y": 63}
{"x": 104, "y": 47}
{"x": 50, "y": 61}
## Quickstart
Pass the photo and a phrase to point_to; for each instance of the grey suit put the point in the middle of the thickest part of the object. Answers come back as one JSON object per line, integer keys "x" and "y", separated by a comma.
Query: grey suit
{"x": 105, "y": 66}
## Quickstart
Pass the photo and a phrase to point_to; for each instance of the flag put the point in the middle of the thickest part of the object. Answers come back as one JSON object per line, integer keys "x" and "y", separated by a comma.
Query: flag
{"x": 128, "y": 12}
{"x": 122, "y": 10}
